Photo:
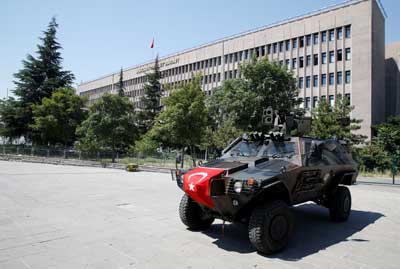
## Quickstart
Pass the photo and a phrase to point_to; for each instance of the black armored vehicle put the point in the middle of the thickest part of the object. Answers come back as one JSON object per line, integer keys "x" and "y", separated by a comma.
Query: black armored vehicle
{"x": 256, "y": 180}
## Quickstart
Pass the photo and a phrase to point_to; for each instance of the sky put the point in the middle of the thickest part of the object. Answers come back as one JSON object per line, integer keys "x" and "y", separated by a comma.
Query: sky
{"x": 99, "y": 37}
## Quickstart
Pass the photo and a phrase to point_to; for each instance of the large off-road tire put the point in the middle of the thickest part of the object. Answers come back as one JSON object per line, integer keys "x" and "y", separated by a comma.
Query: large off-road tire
{"x": 340, "y": 204}
{"x": 270, "y": 227}
{"x": 192, "y": 215}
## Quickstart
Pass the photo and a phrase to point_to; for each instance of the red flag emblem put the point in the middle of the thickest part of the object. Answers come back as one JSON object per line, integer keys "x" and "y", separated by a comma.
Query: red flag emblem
{"x": 196, "y": 184}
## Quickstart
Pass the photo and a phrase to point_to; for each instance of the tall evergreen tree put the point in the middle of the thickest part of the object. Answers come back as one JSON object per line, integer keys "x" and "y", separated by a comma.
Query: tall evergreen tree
{"x": 40, "y": 77}
{"x": 151, "y": 99}
{"x": 121, "y": 84}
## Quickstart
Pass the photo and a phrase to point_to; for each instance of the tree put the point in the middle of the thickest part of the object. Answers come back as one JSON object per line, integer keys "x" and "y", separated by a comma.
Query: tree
{"x": 273, "y": 85}
{"x": 388, "y": 138}
{"x": 57, "y": 117}
{"x": 334, "y": 122}
{"x": 10, "y": 113}
{"x": 110, "y": 125}
{"x": 39, "y": 78}
{"x": 121, "y": 88}
{"x": 237, "y": 106}
{"x": 184, "y": 120}
{"x": 151, "y": 99}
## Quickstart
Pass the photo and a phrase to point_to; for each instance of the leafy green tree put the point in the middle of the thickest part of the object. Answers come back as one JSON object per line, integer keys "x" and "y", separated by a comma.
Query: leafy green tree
{"x": 184, "y": 121}
{"x": 121, "y": 89}
{"x": 146, "y": 145}
{"x": 57, "y": 117}
{"x": 237, "y": 106}
{"x": 10, "y": 113}
{"x": 232, "y": 102}
{"x": 151, "y": 99}
{"x": 273, "y": 85}
{"x": 109, "y": 125}
{"x": 334, "y": 122}
{"x": 39, "y": 78}
{"x": 388, "y": 138}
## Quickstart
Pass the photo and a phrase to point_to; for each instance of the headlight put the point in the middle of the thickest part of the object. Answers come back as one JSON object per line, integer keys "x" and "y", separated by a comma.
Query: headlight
{"x": 238, "y": 186}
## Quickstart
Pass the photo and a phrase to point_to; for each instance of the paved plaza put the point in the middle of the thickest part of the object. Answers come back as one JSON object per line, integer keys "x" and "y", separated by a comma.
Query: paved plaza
{"x": 76, "y": 217}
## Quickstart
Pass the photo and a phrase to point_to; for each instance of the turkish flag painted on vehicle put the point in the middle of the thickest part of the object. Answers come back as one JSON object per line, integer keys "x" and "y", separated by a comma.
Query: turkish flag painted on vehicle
{"x": 196, "y": 184}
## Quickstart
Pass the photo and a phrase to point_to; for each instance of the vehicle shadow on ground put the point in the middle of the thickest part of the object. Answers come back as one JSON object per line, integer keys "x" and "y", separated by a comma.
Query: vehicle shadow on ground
{"x": 313, "y": 231}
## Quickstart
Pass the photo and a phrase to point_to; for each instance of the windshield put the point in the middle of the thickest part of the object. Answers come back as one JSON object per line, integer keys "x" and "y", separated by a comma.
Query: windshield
{"x": 246, "y": 149}
{"x": 280, "y": 149}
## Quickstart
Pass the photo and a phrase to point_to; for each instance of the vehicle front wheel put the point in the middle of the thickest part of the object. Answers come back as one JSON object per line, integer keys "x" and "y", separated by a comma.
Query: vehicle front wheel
{"x": 340, "y": 204}
{"x": 192, "y": 215}
{"x": 270, "y": 226}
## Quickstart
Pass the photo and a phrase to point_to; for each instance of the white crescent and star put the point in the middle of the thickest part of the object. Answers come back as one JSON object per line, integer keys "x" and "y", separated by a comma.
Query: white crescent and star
{"x": 200, "y": 180}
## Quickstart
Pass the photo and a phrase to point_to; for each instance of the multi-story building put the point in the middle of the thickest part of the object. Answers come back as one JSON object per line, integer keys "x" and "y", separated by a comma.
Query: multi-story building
{"x": 392, "y": 64}
{"x": 332, "y": 51}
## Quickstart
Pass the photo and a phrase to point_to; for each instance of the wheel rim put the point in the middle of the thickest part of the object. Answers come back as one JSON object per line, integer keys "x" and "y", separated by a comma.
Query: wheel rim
{"x": 346, "y": 204}
{"x": 278, "y": 228}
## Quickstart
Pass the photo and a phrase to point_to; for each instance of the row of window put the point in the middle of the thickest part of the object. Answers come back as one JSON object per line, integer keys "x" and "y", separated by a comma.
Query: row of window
{"x": 306, "y": 41}
{"x": 307, "y": 102}
{"x": 322, "y": 81}
{"x": 314, "y": 59}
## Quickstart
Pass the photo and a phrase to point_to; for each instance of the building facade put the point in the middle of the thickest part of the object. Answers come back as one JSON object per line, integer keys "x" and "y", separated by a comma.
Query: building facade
{"x": 392, "y": 70}
{"x": 336, "y": 50}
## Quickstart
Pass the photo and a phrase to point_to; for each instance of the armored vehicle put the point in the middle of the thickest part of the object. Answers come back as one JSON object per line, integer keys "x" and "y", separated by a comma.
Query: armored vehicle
{"x": 256, "y": 180}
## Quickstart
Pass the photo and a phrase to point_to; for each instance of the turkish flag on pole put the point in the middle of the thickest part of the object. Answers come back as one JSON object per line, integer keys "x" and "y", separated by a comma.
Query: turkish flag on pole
{"x": 152, "y": 43}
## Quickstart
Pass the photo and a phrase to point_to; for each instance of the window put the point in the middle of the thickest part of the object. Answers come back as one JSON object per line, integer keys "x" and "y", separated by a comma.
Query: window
{"x": 339, "y": 76}
{"x": 262, "y": 51}
{"x": 206, "y": 64}
{"x": 315, "y": 37}
{"x": 219, "y": 77}
{"x": 348, "y": 77}
{"x": 331, "y": 100}
{"x": 257, "y": 52}
{"x": 308, "y": 101}
{"x": 294, "y": 63}
{"x": 294, "y": 43}
{"x": 315, "y": 81}
{"x": 331, "y": 78}
{"x": 240, "y": 55}
{"x": 308, "y": 80}
{"x": 315, "y": 101}
{"x": 308, "y": 61}
{"x": 331, "y": 35}
{"x": 323, "y": 37}
{"x": 323, "y": 79}
{"x": 287, "y": 63}
{"x": 331, "y": 56}
{"x": 281, "y": 62}
{"x": 301, "y": 62}
{"x": 287, "y": 44}
{"x": 347, "y": 30}
{"x": 301, "y": 103}
{"x": 274, "y": 47}
{"x": 230, "y": 58}
{"x": 268, "y": 49}
{"x": 339, "y": 33}
{"x": 323, "y": 98}
{"x": 347, "y": 96}
{"x": 323, "y": 58}
{"x": 301, "y": 42}
{"x": 246, "y": 53}
{"x": 281, "y": 46}
{"x": 348, "y": 54}
{"x": 339, "y": 55}
{"x": 308, "y": 40}
{"x": 315, "y": 59}
{"x": 301, "y": 83}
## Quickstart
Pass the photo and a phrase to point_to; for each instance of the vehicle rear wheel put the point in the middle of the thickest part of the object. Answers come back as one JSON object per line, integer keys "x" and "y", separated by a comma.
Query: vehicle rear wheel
{"x": 340, "y": 204}
{"x": 192, "y": 215}
{"x": 270, "y": 226}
